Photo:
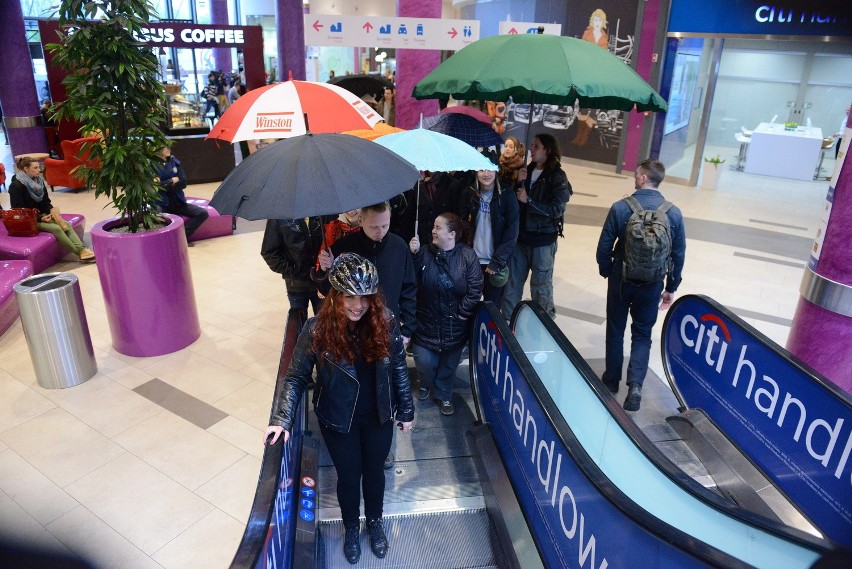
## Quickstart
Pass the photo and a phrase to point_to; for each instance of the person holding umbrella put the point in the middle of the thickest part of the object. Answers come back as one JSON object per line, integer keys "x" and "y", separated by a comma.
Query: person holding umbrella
{"x": 362, "y": 388}
{"x": 492, "y": 213}
{"x": 290, "y": 248}
{"x": 449, "y": 286}
{"x": 542, "y": 194}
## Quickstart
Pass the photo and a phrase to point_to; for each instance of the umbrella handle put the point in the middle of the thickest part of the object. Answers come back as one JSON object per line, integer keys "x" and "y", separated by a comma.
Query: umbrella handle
{"x": 417, "y": 210}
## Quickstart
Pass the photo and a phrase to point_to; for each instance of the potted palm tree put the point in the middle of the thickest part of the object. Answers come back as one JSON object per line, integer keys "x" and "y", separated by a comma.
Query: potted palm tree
{"x": 710, "y": 179}
{"x": 114, "y": 92}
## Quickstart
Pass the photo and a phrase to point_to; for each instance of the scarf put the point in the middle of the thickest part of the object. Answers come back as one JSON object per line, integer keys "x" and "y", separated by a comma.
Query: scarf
{"x": 35, "y": 187}
{"x": 510, "y": 165}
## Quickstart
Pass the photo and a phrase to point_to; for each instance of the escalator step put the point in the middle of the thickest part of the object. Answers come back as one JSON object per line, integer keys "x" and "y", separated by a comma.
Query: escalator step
{"x": 447, "y": 540}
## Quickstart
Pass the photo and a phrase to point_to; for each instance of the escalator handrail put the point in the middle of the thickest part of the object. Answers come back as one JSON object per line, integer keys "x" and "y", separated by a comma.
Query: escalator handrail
{"x": 634, "y": 432}
{"x": 254, "y": 538}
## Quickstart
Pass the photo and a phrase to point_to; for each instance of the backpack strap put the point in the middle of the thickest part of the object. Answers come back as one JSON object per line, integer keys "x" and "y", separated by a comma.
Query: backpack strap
{"x": 665, "y": 207}
{"x": 634, "y": 204}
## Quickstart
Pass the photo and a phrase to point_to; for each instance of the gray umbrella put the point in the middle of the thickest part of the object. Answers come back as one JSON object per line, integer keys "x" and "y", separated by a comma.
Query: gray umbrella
{"x": 311, "y": 175}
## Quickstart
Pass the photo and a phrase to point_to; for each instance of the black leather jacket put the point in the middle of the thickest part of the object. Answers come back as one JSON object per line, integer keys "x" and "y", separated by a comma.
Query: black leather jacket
{"x": 547, "y": 199}
{"x": 449, "y": 286}
{"x": 504, "y": 221}
{"x": 337, "y": 385}
{"x": 290, "y": 247}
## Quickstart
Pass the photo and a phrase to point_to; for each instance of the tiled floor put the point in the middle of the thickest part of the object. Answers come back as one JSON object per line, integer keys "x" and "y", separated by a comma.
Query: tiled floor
{"x": 107, "y": 471}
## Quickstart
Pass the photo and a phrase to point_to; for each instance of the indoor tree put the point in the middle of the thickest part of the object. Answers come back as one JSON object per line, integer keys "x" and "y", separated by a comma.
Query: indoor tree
{"x": 113, "y": 91}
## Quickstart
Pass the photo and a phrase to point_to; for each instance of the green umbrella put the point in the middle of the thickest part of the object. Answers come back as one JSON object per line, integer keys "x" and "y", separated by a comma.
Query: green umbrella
{"x": 536, "y": 68}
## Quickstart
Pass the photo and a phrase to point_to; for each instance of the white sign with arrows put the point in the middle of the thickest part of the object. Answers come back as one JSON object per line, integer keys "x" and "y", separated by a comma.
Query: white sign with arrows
{"x": 509, "y": 28}
{"x": 378, "y": 31}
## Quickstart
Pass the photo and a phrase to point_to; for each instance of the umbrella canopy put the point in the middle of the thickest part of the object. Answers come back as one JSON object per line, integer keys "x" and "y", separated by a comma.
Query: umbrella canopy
{"x": 278, "y": 111}
{"x": 363, "y": 84}
{"x": 538, "y": 68}
{"x": 310, "y": 175}
{"x": 434, "y": 151}
{"x": 469, "y": 111}
{"x": 380, "y": 129}
{"x": 465, "y": 128}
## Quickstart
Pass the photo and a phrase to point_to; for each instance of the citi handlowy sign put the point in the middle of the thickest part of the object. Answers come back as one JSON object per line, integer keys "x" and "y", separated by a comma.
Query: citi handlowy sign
{"x": 791, "y": 422}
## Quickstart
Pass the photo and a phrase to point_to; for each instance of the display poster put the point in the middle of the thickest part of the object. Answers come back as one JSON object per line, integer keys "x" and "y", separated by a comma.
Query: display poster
{"x": 792, "y": 423}
{"x": 684, "y": 81}
{"x": 511, "y": 28}
{"x": 759, "y": 17}
{"x": 586, "y": 134}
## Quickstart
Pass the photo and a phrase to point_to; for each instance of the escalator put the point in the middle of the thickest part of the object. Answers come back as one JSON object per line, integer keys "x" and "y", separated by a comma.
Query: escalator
{"x": 538, "y": 467}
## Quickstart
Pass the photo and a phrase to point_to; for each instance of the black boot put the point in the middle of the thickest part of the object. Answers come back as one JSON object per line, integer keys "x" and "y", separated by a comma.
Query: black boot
{"x": 352, "y": 544}
{"x": 634, "y": 397}
{"x": 378, "y": 539}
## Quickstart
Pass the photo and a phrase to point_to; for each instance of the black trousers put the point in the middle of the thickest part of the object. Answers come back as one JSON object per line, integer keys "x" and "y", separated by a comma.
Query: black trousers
{"x": 359, "y": 458}
{"x": 197, "y": 215}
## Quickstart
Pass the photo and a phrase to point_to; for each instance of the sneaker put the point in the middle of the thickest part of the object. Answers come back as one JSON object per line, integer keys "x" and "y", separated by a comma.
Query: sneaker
{"x": 610, "y": 384}
{"x": 378, "y": 539}
{"x": 634, "y": 397}
{"x": 190, "y": 243}
{"x": 87, "y": 255}
{"x": 446, "y": 407}
{"x": 352, "y": 545}
{"x": 423, "y": 393}
{"x": 389, "y": 461}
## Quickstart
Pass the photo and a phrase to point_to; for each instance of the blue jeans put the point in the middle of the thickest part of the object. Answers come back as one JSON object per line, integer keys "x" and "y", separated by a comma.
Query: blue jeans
{"x": 641, "y": 301}
{"x": 437, "y": 370}
{"x": 300, "y": 300}
{"x": 538, "y": 263}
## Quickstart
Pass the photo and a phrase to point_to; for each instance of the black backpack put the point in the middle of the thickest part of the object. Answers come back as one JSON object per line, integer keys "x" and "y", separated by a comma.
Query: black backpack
{"x": 647, "y": 242}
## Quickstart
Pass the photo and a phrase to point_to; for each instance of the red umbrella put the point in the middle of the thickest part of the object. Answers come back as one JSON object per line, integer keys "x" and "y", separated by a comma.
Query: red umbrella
{"x": 469, "y": 111}
{"x": 279, "y": 110}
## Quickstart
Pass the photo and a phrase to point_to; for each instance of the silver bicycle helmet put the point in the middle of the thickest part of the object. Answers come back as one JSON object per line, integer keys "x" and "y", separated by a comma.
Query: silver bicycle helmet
{"x": 351, "y": 273}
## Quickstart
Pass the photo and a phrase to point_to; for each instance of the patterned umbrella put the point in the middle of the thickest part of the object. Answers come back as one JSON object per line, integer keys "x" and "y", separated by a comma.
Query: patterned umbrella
{"x": 465, "y": 128}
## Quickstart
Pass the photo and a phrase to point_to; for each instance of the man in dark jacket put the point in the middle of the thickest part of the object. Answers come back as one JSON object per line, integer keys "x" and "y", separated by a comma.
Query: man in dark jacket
{"x": 290, "y": 247}
{"x": 642, "y": 300}
{"x": 392, "y": 259}
{"x": 542, "y": 196}
{"x": 172, "y": 180}
{"x": 439, "y": 192}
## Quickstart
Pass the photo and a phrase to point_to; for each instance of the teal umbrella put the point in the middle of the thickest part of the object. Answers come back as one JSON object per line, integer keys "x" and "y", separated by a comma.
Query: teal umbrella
{"x": 537, "y": 68}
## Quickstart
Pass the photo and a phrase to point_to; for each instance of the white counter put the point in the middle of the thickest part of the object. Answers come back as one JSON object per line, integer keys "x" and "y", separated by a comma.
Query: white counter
{"x": 774, "y": 151}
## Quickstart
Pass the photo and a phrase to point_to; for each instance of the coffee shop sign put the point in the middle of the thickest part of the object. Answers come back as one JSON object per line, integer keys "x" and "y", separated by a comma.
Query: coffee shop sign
{"x": 782, "y": 15}
{"x": 193, "y": 35}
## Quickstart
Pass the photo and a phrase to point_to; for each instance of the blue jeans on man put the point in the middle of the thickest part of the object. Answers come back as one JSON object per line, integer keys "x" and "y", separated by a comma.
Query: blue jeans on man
{"x": 300, "y": 300}
{"x": 437, "y": 370}
{"x": 641, "y": 301}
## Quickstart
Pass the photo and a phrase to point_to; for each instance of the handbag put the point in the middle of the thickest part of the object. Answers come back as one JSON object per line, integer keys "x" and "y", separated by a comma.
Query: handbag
{"x": 21, "y": 221}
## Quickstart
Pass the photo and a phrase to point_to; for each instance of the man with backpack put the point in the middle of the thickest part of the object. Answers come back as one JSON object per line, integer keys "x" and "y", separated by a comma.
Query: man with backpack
{"x": 641, "y": 253}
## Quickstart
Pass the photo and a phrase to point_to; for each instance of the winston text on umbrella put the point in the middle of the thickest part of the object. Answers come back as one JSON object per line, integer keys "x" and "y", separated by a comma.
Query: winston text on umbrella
{"x": 274, "y": 122}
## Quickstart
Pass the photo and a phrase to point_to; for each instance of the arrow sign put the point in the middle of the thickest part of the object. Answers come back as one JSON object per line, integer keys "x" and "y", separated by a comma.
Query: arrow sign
{"x": 317, "y": 25}
{"x": 513, "y": 31}
{"x": 452, "y": 33}
{"x": 367, "y": 27}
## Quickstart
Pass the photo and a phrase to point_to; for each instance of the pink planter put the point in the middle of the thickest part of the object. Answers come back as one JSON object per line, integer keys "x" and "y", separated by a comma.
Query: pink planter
{"x": 147, "y": 287}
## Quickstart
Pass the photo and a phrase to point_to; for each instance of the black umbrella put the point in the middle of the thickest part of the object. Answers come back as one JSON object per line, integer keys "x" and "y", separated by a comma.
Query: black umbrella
{"x": 363, "y": 84}
{"x": 465, "y": 128}
{"x": 311, "y": 175}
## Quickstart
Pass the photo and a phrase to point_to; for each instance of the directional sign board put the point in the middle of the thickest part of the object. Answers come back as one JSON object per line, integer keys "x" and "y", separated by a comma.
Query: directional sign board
{"x": 378, "y": 31}
{"x": 509, "y": 28}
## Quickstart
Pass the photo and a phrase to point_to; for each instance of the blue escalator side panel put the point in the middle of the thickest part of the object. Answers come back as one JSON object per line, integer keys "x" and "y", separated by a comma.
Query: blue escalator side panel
{"x": 289, "y": 505}
{"x": 787, "y": 419}
{"x": 573, "y": 524}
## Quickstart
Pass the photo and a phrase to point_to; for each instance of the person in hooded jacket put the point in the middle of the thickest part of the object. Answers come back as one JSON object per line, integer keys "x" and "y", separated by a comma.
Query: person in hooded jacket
{"x": 449, "y": 284}
{"x": 362, "y": 389}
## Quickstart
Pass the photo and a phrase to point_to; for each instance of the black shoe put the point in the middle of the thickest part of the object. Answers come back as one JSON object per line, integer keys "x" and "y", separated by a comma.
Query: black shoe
{"x": 446, "y": 407}
{"x": 389, "y": 461}
{"x": 634, "y": 397}
{"x": 610, "y": 384}
{"x": 352, "y": 544}
{"x": 423, "y": 393}
{"x": 378, "y": 539}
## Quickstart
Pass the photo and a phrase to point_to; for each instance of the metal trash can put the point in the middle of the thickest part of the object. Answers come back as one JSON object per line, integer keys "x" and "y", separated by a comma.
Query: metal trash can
{"x": 56, "y": 329}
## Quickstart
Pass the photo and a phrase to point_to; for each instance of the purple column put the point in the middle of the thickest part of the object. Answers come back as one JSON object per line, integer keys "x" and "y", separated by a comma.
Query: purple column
{"x": 219, "y": 15}
{"x": 290, "y": 26}
{"x": 821, "y": 334}
{"x": 18, "y": 94}
{"x": 651, "y": 23}
{"x": 412, "y": 65}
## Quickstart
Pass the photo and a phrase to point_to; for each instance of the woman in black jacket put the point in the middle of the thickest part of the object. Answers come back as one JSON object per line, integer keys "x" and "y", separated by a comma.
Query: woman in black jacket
{"x": 449, "y": 284}
{"x": 28, "y": 190}
{"x": 361, "y": 387}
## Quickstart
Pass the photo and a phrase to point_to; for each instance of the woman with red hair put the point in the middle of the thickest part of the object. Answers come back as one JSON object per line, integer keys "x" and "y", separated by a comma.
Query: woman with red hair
{"x": 361, "y": 388}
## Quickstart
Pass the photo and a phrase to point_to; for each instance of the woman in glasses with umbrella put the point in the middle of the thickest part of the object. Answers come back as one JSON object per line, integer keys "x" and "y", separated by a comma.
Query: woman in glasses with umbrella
{"x": 361, "y": 388}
